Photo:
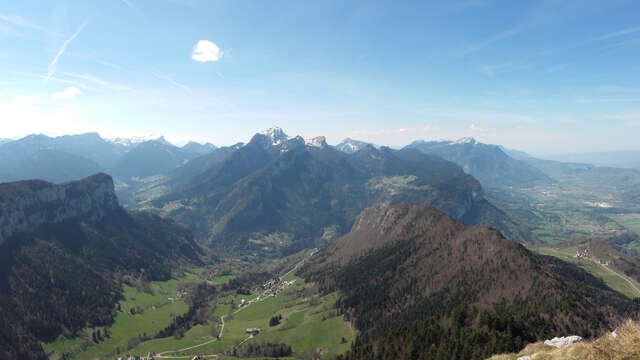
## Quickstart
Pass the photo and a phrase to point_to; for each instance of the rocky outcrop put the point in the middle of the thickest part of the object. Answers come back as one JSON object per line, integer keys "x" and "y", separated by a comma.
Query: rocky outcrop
{"x": 26, "y": 205}
{"x": 560, "y": 342}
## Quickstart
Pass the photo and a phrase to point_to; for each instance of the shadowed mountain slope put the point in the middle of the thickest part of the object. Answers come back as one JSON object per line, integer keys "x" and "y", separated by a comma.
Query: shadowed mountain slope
{"x": 281, "y": 194}
{"x": 62, "y": 251}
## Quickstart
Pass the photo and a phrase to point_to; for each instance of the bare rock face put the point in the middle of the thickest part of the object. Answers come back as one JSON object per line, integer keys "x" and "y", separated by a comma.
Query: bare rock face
{"x": 564, "y": 341}
{"x": 25, "y": 205}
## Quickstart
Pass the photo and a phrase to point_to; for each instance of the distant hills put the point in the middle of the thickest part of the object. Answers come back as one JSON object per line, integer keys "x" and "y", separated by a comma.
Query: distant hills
{"x": 150, "y": 158}
{"x": 72, "y": 157}
{"x": 618, "y": 159}
{"x": 487, "y": 163}
{"x": 63, "y": 251}
{"x": 197, "y": 182}
{"x": 415, "y": 281}
{"x": 198, "y": 148}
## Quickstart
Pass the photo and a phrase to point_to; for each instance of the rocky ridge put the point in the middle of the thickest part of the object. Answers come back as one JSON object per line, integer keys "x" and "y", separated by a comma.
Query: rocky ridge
{"x": 26, "y": 205}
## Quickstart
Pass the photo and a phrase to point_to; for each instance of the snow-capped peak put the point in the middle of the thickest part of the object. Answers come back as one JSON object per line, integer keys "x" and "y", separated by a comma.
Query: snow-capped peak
{"x": 276, "y": 135}
{"x": 318, "y": 141}
{"x": 135, "y": 140}
{"x": 350, "y": 146}
{"x": 465, "y": 140}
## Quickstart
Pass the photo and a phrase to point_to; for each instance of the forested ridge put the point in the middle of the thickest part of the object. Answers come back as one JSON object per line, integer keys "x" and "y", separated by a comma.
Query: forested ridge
{"x": 417, "y": 283}
{"x": 66, "y": 276}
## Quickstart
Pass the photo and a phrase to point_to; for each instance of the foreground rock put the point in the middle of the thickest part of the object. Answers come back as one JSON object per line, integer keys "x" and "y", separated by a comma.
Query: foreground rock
{"x": 622, "y": 344}
{"x": 561, "y": 342}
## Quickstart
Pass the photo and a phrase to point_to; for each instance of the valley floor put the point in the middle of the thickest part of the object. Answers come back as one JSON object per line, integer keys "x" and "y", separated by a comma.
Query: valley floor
{"x": 309, "y": 322}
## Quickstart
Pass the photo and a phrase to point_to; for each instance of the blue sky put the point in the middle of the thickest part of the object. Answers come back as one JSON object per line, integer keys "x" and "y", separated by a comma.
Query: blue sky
{"x": 541, "y": 76}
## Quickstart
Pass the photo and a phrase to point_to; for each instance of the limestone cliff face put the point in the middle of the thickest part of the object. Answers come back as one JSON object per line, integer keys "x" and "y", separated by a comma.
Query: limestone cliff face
{"x": 25, "y": 205}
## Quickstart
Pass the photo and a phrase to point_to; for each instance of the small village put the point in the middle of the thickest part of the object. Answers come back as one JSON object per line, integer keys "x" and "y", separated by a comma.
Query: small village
{"x": 269, "y": 289}
{"x": 586, "y": 254}
{"x": 583, "y": 253}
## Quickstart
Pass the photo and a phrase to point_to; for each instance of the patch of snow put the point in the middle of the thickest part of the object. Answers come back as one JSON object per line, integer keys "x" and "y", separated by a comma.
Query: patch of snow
{"x": 134, "y": 140}
{"x": 318, "y": 141}
{"x": 276, "y": 134}
{"x": 465, "y": 140}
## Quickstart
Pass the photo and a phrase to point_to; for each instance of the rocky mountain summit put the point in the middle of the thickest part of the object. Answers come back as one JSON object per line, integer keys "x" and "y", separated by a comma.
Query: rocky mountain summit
{"x": 26, "y": 205}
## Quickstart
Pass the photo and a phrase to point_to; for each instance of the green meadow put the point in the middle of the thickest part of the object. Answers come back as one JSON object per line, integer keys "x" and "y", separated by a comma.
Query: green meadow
{"x": 614, "y": 279}
{"x": 157, "y": 313}
{"x": 309, "y": 323}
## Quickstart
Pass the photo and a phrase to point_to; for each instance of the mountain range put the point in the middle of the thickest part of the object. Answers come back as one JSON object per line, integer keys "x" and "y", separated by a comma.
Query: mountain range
{"x": 70, "y": 157}
{"x": 419, "y": 284}
{"x": 487, "y": 163}
{"x": 280, "y": 194}
{"x": 156, "y": 175}
{"x": 63, "y": 251}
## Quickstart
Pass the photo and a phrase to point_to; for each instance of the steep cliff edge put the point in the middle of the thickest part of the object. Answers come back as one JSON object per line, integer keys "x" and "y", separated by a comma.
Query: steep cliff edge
{"x": 64, "y": 248}
{"x": 26, "y": 205}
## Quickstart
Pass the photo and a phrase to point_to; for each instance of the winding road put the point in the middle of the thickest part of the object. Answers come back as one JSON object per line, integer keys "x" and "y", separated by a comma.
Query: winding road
{"x": 166, "y": 354}
{"x": 624, "y": 277}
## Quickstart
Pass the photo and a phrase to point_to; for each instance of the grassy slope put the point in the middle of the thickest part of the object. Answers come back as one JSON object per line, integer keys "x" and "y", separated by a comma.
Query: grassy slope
{"x": 307, "y": 324}
{"x": 302, "y": 326}
{"x": 157, "y": 315}
{"x": 614, "y": 279}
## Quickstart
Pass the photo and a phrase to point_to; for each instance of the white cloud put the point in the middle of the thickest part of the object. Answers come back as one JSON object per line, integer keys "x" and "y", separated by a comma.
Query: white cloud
{"x": 206, "y": 51}
{"x": 67, "y": 94}
{"x": 54, "y": 62}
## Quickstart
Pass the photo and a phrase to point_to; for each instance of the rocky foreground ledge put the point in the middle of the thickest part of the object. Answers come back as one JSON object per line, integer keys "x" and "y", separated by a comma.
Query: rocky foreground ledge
{"x": 621, "y": 344}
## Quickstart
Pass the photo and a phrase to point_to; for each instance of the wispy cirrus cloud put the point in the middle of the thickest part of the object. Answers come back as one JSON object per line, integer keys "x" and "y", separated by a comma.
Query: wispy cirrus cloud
{"x": 53, "y": 64}
{"x": 171, "y": 81}
{"x": 128, "y": 3}
{"x": 616, "y": 34}
{"x": 477, "y": 46}
{"x": 54, "y": 78}
{"x": 19, "y": 21}
{"x": 8, "y": 30}
{"x": 96, "y": 80}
